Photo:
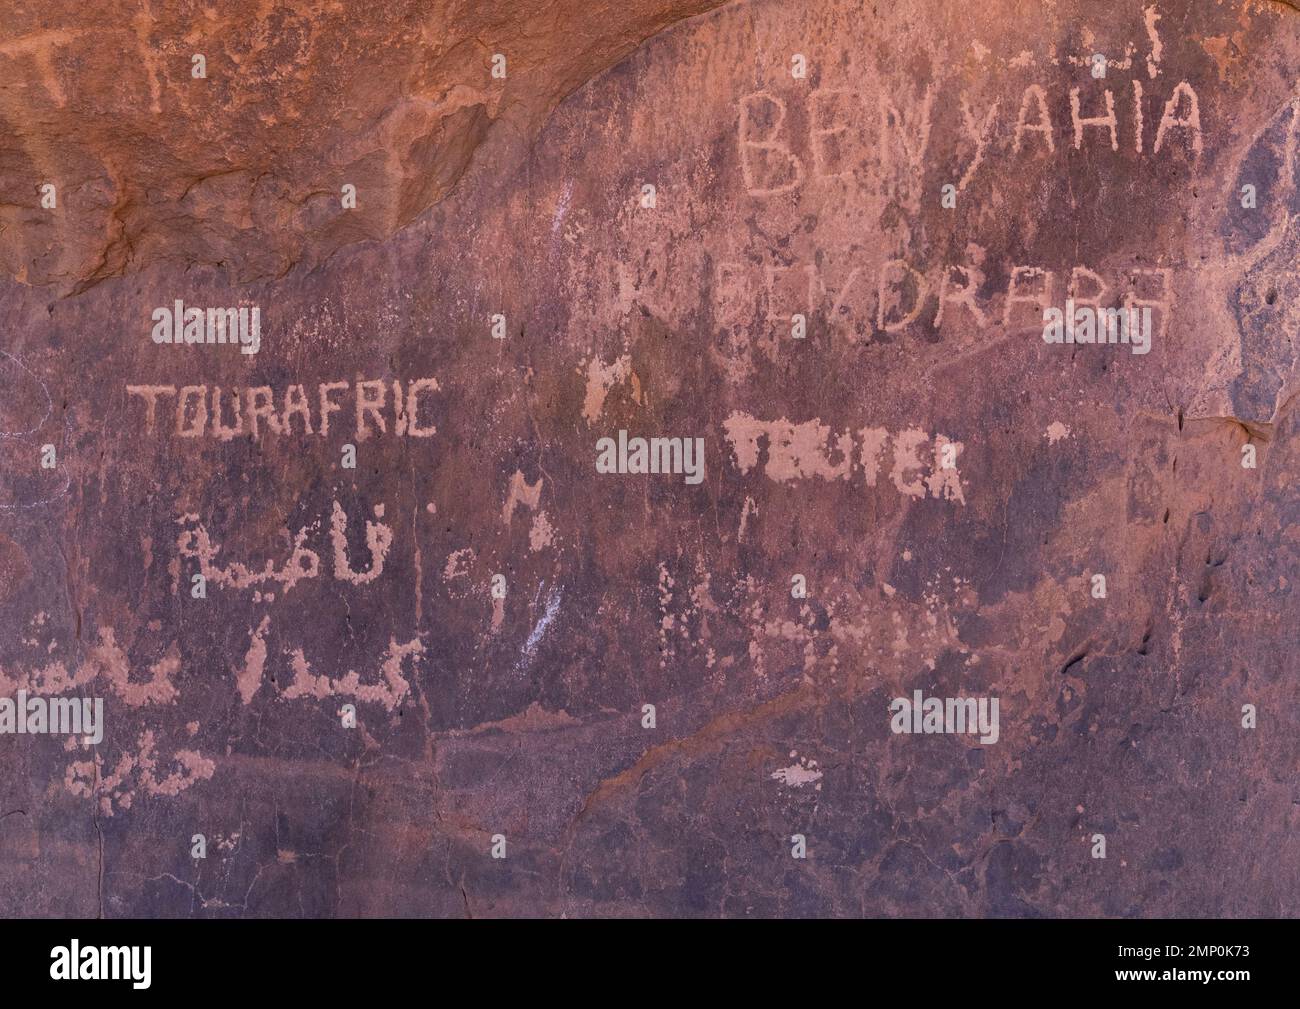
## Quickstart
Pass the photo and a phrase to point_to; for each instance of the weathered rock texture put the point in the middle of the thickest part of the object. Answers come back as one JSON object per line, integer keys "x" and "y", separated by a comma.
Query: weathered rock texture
{"x": 521, "y": 716}
{"x": 243, "y": 166}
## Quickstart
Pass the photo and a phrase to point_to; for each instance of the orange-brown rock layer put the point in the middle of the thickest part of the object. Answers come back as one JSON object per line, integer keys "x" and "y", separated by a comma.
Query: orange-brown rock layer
{"x": 244, "y": 166}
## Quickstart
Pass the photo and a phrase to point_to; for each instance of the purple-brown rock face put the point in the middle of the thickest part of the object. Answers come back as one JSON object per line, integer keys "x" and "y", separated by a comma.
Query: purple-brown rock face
{"x": 835, "y": 461}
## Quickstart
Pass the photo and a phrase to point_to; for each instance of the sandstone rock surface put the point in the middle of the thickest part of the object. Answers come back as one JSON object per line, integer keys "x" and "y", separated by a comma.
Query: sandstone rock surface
{"x": 947, "y": 484}
{"x": 243, "y": 166}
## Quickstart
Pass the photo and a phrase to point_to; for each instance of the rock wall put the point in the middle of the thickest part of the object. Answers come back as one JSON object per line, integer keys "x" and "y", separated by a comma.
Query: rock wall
{"x": 361, "y": 683}
{"x": 222, "y": 134}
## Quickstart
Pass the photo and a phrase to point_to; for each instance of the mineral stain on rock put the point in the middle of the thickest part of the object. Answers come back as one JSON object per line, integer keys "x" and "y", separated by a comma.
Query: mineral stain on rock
{"x": 363, "y": 603}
